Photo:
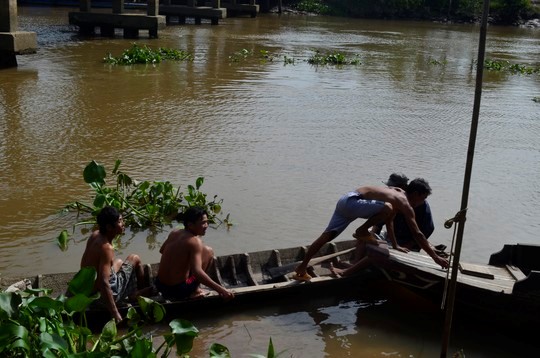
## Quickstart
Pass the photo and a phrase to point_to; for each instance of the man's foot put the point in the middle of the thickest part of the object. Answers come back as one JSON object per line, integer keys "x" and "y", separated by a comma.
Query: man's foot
{"x": 336, "y": 272}
{"x": 369, "y": 238}
{"x": 305, "y": 277}
{"x": 199, "y": 293}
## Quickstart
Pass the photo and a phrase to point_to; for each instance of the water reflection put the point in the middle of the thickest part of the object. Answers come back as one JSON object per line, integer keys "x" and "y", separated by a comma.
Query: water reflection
{"x": 360, "y": 325}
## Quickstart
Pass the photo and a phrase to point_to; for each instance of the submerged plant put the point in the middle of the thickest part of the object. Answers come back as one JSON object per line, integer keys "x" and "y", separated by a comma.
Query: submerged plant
{"x": 146, "y": 204}
{"x": 514, "y": 68}
{"x": 332, "y": 58}
{"x": 288, "y": 60}
{"x": 313, "y": 6}
{"x": 144, "y": 55}
{"x": 435, "y": 62}
{"x": 240, "y": 55}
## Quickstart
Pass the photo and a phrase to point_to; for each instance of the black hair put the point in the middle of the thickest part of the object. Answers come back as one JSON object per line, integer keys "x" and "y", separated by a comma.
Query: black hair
{"x": 418, "y": 185}
{"x": 107, "y": 216}
{"x": 191, "y": 215}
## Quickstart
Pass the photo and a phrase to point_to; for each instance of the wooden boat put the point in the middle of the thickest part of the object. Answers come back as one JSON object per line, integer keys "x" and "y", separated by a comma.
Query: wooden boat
{"x": 507, "y": 288}
{"x": 253, "y": 277}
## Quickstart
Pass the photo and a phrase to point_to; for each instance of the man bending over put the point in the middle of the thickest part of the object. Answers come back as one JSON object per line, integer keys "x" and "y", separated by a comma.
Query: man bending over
{"x": 376, "y": 204}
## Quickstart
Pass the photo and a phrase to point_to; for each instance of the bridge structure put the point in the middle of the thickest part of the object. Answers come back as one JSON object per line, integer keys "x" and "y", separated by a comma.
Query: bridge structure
{"x": 12, "y": 41}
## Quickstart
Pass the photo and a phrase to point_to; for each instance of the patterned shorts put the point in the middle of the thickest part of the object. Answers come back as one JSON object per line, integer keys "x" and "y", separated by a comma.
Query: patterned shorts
{"x": 124, "y": 282}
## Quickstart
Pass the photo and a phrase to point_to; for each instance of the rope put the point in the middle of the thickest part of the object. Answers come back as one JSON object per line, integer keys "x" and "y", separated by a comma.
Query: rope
{"x": 460, "y": 216}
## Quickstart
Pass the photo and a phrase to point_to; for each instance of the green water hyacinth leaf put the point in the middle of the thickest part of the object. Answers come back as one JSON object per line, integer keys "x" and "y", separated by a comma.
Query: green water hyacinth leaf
{"x": 79, "y": 302}
{"x": 46, "y": 303}
{"x": 52, "y": 342}
{"x": 151, "y": 309}
{"x": 109, "y": 332}
{"x": 143, "y": 349}
{"x": 94, "y": 173}
{"x": 62, "y": 240}
{"x": 13, "y": 336}
{"x": 184, "y": 333}
{"x": 100, "y": 200}
{"x": 83, "y": 281}
{"x": 9, "y": 303}
{"x": 219, "y": 351}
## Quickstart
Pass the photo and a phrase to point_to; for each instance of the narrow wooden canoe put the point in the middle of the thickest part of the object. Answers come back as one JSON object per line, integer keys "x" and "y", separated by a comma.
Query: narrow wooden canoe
{"x": 507, "y": 288}
{"x": 251, "y": 276}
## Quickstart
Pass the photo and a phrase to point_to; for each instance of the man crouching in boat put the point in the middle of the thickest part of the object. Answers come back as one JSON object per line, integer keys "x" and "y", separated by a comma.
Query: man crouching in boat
{"x": 376, "y": 204}
{"x": 116, "y": 280}
{"x": 185, "y": 260}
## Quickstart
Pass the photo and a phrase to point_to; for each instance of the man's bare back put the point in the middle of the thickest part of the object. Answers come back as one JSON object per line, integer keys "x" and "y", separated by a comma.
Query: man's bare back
{"x": 395, "y": 196}
{"x": 176, "y": 256}
{"x": 99, "y": 251}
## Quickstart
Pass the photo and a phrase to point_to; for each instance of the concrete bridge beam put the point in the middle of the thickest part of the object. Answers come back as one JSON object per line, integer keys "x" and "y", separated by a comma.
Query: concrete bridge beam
{"x": 13, "y": 42}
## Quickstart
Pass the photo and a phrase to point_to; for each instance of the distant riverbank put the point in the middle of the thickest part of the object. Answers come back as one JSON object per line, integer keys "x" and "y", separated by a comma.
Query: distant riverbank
{"x": 502, "y": 12}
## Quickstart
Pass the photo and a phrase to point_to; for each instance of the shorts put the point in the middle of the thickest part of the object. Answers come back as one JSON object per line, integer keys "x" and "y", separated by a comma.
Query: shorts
{"x": 180, "y": 291}
{"x": 350, "y": 207}
{"x": 123, "y": 283}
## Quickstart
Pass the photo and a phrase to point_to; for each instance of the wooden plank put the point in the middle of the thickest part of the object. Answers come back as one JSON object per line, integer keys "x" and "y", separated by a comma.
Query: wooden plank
{"x": 475, "y": 270}
{"x": 516, "y": 272}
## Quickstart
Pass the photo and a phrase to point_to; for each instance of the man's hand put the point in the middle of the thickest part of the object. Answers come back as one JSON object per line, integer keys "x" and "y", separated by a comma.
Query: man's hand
{"x": 402, "y": 249}
{"x": 226, "y": 294}
{"x": 441, "y": 261}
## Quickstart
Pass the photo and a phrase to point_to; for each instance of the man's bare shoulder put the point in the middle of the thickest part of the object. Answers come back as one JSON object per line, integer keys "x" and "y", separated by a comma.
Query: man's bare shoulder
{"x": 181, "y": 237}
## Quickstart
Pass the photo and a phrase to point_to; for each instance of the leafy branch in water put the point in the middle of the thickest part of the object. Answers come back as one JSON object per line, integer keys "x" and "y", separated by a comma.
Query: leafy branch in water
{"x": 143, "y": 54}
{"x": 146, "y": 204}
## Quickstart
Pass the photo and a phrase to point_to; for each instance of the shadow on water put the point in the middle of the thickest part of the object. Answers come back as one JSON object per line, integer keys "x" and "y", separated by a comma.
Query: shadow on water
{"x": 378, "y": 320}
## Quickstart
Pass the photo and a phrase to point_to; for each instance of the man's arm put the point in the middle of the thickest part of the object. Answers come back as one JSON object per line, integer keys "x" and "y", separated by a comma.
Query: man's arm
{"x": 408, "y": 212}
{"x": 392, "y": 235}
{"x": 426, "y": 225}
{"x": 197, "y": 270}
{"x": 104, "y": 286}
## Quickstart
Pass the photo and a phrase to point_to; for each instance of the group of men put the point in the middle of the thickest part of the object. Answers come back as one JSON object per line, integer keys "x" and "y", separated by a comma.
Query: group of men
{"x": 183, "y": 266}
{"x": 185, "y": 260}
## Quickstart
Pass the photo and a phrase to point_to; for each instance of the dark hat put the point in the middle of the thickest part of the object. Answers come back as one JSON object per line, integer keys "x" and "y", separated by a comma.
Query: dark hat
{"x": 397, "y": 180}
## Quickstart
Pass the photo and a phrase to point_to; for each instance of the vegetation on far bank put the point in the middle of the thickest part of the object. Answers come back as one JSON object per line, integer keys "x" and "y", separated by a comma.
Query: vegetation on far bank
{"x": 504, "y": 12}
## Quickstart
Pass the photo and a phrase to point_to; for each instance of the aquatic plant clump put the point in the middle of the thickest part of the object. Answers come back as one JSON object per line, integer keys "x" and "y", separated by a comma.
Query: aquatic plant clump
{"x": 146, "y": 204}
{"x": 332, "y": 58}
{"x": 145, "y": 55}
{"x": 312, "y": 6}
{"x": 514, "y": 68}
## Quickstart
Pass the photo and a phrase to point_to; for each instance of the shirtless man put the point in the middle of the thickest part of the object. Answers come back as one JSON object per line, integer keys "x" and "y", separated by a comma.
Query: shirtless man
{"x": 185, "y": 260}
{"x": 376, "y": 204}
{"x": 116, "y": 280}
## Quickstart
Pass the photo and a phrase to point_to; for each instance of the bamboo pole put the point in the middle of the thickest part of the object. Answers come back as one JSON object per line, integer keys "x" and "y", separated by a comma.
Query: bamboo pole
{"x": 467, "y": 180}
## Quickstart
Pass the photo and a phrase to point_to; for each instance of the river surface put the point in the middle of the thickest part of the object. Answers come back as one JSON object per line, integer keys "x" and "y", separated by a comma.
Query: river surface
{"x": 279, "y": 142}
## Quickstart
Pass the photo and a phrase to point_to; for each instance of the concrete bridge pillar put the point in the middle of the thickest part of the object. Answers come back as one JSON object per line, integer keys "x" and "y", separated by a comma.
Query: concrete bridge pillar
{"x": 13, "y": 42}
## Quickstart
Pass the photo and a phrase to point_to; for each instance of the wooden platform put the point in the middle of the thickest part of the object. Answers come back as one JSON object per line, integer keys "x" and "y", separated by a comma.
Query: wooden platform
{"x": 492, "y": 278}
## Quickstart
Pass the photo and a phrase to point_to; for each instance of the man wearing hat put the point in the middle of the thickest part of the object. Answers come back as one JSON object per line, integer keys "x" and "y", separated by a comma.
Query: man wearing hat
{"x": 422, "y": 214}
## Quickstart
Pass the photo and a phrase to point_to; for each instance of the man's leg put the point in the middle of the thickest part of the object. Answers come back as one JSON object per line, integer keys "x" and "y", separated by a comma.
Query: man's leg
{"x": 363, "y": 233}
{"x": 313, "y": 249}
{"x": 143, "y": 287}
{"x": 207, "y": 258}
